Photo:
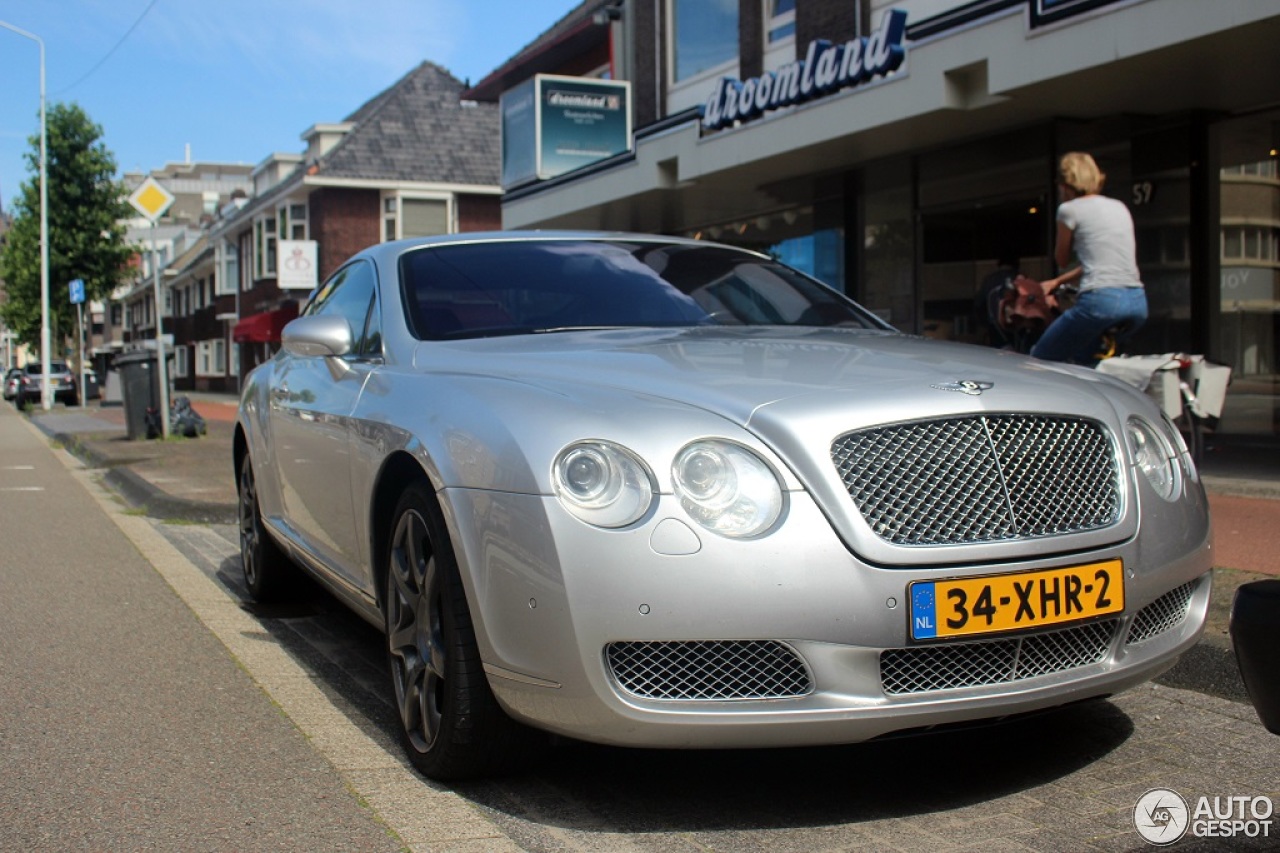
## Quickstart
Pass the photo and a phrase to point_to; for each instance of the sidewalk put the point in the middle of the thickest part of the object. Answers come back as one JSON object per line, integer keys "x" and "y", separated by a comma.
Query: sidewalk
{"x": 187, "y": 479}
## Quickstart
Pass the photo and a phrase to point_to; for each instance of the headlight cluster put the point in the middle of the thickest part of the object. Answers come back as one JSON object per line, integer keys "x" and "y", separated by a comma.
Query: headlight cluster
{"x": 723, "y": 486}
{"x": 1154, "y": 456}
{"x": 603, "y": 484}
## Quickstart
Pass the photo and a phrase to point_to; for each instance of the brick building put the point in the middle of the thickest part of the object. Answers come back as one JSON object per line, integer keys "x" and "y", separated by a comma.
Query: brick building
{"x": 416, "y": 159}
{"x": 897, "y": 149}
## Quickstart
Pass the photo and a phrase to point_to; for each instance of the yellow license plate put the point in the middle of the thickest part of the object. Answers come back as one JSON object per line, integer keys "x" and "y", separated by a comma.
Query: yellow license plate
{"x": 963, "y": 607}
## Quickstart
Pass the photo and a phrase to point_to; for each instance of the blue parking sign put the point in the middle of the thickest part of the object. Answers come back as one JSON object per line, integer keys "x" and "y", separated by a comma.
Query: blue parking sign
{"x": 77, "y": 291}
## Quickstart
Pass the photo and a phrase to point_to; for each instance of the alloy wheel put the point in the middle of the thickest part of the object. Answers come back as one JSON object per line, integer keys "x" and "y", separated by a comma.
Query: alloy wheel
{"x": 250, "y": 527}
{"x": 415, "y": 632}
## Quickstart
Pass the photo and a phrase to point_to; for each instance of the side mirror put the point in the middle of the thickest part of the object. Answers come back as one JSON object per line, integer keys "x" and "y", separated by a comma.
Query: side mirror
{"x": 315, "y": 335}
{"x": 1255, "y": 634}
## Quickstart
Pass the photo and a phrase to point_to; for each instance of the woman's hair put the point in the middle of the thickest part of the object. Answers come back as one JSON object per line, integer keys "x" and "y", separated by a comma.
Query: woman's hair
{"x": 1078, "y": 171}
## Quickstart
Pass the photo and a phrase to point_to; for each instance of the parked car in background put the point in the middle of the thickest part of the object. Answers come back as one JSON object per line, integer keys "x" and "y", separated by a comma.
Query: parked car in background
{"x": 11, "y": 380}
{"x": 647, "y": 491}
{"x": 62, "y": 384}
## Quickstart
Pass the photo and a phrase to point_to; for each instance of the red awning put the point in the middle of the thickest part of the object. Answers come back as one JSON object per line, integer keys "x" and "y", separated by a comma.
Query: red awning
{"x": 264, "y": 327}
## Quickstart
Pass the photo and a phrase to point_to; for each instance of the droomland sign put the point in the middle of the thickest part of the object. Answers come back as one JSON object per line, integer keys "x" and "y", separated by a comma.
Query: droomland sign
{"x": 826, "y": 68}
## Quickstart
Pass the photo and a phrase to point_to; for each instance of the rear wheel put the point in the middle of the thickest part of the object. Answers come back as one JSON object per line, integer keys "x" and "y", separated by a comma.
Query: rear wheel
{"x": 268, "y": 573}
{"x": 451, "y": 725}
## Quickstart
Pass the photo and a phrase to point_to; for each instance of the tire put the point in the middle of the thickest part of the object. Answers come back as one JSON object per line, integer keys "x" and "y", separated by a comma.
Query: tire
{"x": 451, "y": 726}
{"x": 268, "y": 572}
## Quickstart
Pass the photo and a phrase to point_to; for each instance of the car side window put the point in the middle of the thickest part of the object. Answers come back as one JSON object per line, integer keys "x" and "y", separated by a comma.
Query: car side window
{"x": 351, "y": 293}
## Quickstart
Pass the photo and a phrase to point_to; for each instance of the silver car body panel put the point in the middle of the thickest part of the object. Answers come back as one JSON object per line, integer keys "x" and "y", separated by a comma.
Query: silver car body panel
{"x": 484, "y": 418}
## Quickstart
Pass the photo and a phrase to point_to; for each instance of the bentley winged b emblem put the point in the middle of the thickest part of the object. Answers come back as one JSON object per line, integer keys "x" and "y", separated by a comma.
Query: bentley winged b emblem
{"x": 971, "y": 387}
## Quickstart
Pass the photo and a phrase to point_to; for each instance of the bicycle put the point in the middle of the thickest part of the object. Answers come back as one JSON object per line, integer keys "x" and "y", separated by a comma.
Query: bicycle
{"x": 1178, "y": 389}
{"x": 1189, "y": 389}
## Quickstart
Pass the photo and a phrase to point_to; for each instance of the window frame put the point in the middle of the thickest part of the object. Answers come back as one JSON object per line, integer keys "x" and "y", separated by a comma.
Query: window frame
{"x": 697, "y": 77}
{"x": 774, "y": 21}
{"x": 265, "y": 245}
{"x": 393, "y": 211}
{"x": 211, "y": 357}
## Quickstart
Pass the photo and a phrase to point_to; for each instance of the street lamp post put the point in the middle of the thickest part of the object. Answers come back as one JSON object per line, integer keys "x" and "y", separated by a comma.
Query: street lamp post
{"x": 46, "y": 400}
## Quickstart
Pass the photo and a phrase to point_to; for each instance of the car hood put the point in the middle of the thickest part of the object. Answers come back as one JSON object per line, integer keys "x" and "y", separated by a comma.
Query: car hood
{"x": 768, "y": 379}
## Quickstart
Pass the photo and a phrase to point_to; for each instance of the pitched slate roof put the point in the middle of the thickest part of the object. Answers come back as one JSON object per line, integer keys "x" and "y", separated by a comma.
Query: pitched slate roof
{"x": 419, "y": 129}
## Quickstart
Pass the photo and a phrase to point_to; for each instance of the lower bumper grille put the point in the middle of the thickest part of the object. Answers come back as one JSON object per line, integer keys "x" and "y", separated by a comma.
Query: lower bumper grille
{"x": 975, "y": 664}
{"x": 1161, "y": 615}
{"x": 709, "y": 669}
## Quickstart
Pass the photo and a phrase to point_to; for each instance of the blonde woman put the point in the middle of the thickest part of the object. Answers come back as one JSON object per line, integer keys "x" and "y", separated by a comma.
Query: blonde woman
{"x": 1099, "y": 231}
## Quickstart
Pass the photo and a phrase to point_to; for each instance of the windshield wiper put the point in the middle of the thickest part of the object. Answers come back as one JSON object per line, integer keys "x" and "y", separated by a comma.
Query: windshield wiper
{"x": 554, "y": 329}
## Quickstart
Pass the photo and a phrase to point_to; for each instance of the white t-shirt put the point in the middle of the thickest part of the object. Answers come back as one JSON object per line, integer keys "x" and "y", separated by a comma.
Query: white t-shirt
{"x": 1103, "y": 241}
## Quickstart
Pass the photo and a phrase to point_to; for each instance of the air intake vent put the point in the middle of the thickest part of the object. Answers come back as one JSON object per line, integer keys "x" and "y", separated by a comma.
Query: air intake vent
{"x": 949, "y": 666}
{"x": 709, "y": 669}
{"x": 1164, "y": 613}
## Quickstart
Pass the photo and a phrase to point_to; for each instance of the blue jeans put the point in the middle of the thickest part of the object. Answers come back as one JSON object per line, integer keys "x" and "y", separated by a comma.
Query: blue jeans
{"x": 1076, "y": 336}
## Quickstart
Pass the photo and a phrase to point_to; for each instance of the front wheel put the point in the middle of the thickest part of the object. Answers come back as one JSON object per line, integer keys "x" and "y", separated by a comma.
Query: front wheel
{"x": 451, "y": 725}
{"x": 268, "y": 573}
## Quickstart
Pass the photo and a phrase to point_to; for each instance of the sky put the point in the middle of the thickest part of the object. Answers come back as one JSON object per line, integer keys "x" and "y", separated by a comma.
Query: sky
{"x": 237, "y": 80}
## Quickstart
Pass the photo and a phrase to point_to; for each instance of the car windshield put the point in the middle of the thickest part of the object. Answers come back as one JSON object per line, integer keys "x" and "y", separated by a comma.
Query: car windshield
{"x": 538, "y": 286}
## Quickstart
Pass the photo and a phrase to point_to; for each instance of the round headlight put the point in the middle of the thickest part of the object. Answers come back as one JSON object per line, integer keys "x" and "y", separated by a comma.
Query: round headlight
{"x": 1153, "y": 456}
{"x": 726, "y": 488}
{"x": 602, "y": 483}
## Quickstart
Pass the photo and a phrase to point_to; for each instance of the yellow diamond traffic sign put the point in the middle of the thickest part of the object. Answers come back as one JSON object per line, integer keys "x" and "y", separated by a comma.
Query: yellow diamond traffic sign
{"x": 150, "y": 199}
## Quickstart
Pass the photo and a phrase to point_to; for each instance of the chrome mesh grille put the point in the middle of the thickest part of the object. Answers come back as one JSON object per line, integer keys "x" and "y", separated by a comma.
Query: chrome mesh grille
{"x": 983, "y": 478}
{"x": 709, "y": 669}
{"x": 948, "y": 666}
{"x": 1159, "y": 616}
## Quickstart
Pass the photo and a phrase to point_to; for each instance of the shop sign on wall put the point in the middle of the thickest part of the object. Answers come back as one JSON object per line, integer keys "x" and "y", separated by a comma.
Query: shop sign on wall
{"x": 826, "y": 68}
{"x": 297, "y": 266}
{"x": 553, "y": 124}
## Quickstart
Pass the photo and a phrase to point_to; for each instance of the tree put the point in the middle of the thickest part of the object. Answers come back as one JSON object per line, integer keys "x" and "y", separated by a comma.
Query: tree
{"x": 86, "y": 236}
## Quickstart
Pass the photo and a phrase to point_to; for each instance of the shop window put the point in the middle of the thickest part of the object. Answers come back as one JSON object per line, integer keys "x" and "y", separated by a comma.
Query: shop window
{"x": 705, "y": 36}
{"x": 1248, "y": 243}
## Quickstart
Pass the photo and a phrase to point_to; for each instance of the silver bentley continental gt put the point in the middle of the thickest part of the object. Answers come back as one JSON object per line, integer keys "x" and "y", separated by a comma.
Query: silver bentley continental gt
{"x": 655, "y": 492}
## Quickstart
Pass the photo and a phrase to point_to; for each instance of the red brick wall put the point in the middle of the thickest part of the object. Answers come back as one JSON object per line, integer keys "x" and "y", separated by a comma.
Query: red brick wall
{"x": 343, "y": 222}
{"x": 479, "y": 213}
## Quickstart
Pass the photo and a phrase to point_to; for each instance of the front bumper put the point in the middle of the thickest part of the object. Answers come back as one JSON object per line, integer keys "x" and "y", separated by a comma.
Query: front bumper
{"x": 554, "y": 600}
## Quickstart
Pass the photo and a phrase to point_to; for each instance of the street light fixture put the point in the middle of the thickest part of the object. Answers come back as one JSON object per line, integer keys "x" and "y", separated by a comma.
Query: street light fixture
{"x": 45, "y": 391}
